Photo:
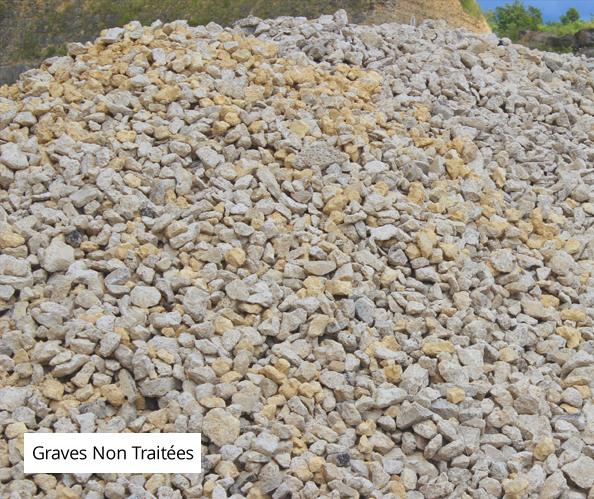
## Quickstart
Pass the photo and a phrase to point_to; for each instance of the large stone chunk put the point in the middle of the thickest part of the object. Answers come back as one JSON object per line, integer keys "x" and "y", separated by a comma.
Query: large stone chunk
{"x": 57, "y": 257}
{"x": 145, "y": 296}
{"x": 581, "y": 472}
{"x": 319, "y": 154}
{"x": 194, "y": 303}
{"x": 221, "y": 427}
{"x": 13, "y": 157}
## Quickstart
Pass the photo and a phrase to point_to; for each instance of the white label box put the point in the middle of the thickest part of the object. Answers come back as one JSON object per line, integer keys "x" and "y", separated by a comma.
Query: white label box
{"x": 112, "y": 452}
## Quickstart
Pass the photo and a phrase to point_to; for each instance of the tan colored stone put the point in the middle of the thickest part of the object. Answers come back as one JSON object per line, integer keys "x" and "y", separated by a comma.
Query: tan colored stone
{"x": 393, "y": 373}
{"x": 52, "y": 389}
{"x": 544, "y": 449}
{"x": 318, "y": 325}
{"x": 433, "y": 349}
{"x": 426, "y": 241}
{"x": 388, "y": 276}
{"x": 516, "y": 488}
{"x": 508, "y": 354}
{"x": 337, "y": 203}
{"x": 126, "y": 136}
{"x": 11, "y": 240}
{"x": 550, "y": 301}
{"x": 15, "y": 430}
{"x": 300, "y": 128}
{"x": 235, "y": 257}
{"x": 338, "y": 287}
{"x": 113, "y": 394}
{"x": 455, "y": 395}
{"x": 571, "y": 334}
{"x": 572, "y": 315}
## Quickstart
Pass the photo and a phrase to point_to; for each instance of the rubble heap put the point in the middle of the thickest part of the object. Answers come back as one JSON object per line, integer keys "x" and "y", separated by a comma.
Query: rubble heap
{"x": 359, "y": 260}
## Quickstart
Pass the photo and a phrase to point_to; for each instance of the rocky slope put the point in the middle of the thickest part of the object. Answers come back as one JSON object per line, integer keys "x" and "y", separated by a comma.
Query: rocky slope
{"x": 359, "y": 260}
{"x": 31, "y": 30}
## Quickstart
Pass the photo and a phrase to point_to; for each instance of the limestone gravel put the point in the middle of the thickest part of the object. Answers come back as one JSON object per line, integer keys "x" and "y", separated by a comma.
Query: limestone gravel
{"x": 359, "y": 260}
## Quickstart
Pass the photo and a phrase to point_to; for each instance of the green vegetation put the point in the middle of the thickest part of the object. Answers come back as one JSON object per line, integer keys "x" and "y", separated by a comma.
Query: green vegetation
{"x": 52, "y": 51}
{"x": 570, "y": 24}
{"x": 572, "y": 15}
{"x": 509, "y": 20}
{"x": 472, "y": 8}
{"x": 30, "y": 46}
{"x": 3, "y": 10}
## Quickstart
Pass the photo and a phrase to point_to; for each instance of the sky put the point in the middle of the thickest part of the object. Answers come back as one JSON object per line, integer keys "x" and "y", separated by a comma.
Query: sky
{"x": 551, "y": 9}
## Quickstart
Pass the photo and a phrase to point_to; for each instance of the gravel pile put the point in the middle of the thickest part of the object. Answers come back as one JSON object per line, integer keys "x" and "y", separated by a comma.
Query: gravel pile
{"x": 358, "y": 259}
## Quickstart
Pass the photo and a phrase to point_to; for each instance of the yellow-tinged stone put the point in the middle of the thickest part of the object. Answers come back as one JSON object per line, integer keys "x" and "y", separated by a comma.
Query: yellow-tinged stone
{"x": 235, "y": 257}
{"x": 11, "y": 240}
{"x": 391, "y": 343}
{"x": 433, "y": 349}
{"x": 302, "y": 473}
{"x": 416, "y": 194}
{"x": 300, "y": 128}
{"x": 550, "y": 301}
{"x": 572, "y": 246}
{"x": 313, "y": 284}
{"x": 450, "y": 251}
{"x": 499, "y": 177}
{"x": 337, "y": 203}
{"x": 113, "y": 394}
{"x": 584, "y": 390}
{"x": 289, "y": 388}
{"x": 488, "y": 211}
{"x": 282, "y": 365}
{"x": 426, "y": 241}
{"x": 588, "y": 208}
{"x": 422, "y": 114}
{"x": 393, "y": 373}
{"x": 571, "y": 334}
{"x": 456, "y": 168}
{"x": 513, "y": 216}
{"x": 398, "y": 490}
{"x": 166, "y": 356}
{"x": 570, "y": 409}
{"x": 52, "y": 389}
{"x": 231, "y": 377}
{"x": 132, "y": 180}
{"x": 318, "y": 325}
{"x": 268, "y": 411}
{"x": 64, "y": 492}
{"x": 540, "y": 227}
{"x": 544, "y": 449}
{"x": 232, "y": 119}
{"x": 366, "y": 428}
{"x": 516, "y": 488}
{"x": 220, "y": 127}
{"x": 365, "y": 446}
{"x": 126, "y": 136}
{"x": 15, "y": 430}
{"x": 220, "y": 367}
{"x": 222, "y": 325}
{"x": 382, "y": 188}
{"x": 167, "y": 94}
{"x": 388, "y": 276}
{"x": 274, "y": 374}
{"x": 572, "y": 315}
{"x": 337, "y": 287}
{"x": 316, "y": 463}
{"x": 508, "y": 354}
{"x": 146, "y": 250}
{"x": 455, "y": 395}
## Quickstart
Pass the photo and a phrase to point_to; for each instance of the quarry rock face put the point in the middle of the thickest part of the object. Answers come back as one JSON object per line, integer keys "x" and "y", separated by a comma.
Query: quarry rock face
{"x": 358, "y": 260}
